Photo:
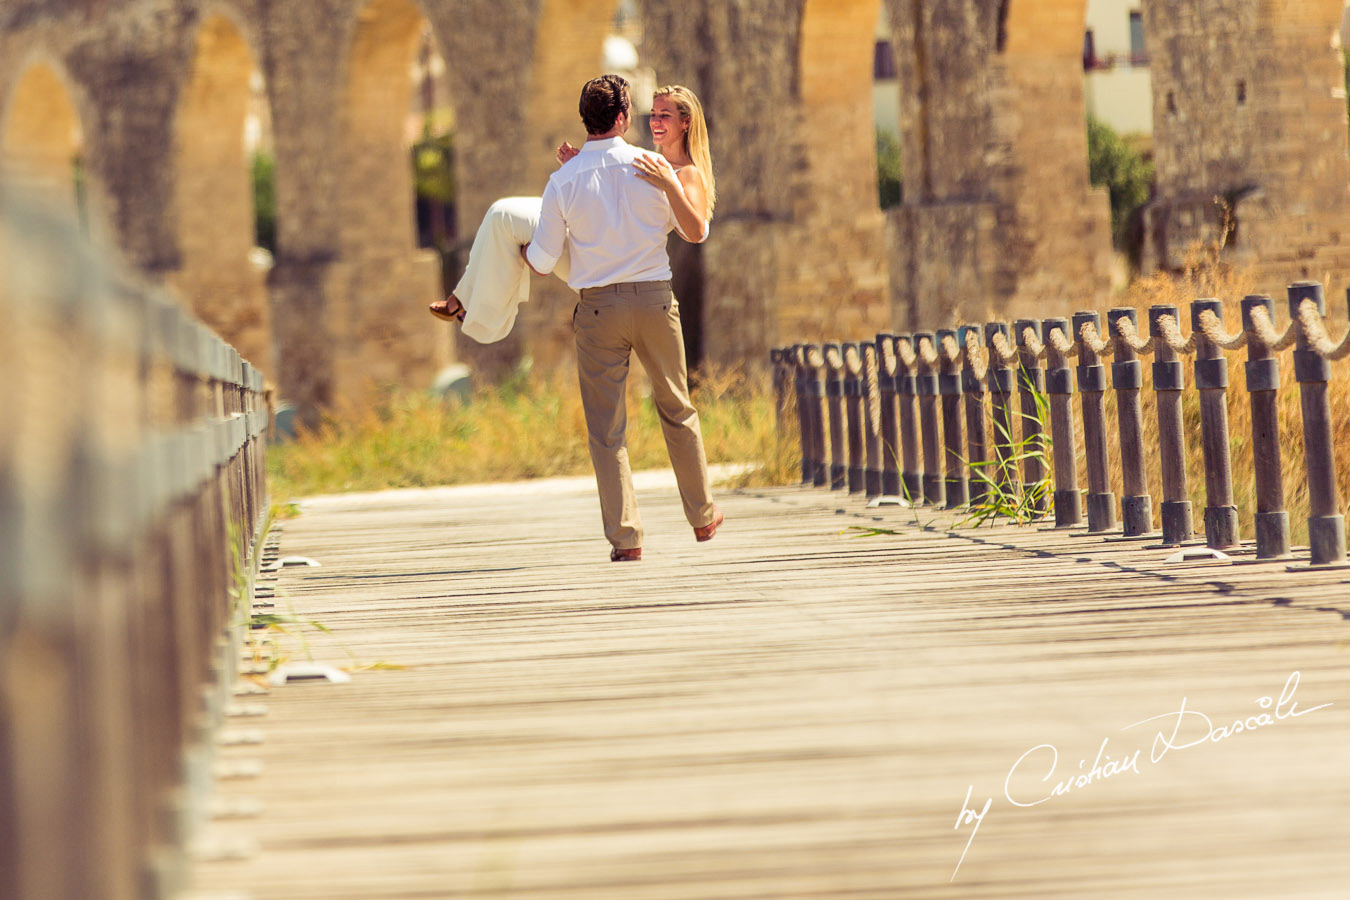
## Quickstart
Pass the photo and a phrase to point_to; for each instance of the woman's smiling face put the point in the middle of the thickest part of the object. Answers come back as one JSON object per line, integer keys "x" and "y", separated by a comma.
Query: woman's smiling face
{"x": 667, "y": 127}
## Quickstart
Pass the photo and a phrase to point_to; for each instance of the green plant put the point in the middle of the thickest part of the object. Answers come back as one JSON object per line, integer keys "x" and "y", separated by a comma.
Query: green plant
{"x": 433, "y": 159}
{"x": 263, "y": 170}
{"x": 1123, "y": 170}
{"x": 890, "y": 174}
{"x": 1005, "y": 495}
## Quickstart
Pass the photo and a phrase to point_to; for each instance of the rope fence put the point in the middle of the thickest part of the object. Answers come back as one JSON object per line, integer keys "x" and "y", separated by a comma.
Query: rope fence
{"x": 132, "y": 496}
{"x": 938, "y": 393}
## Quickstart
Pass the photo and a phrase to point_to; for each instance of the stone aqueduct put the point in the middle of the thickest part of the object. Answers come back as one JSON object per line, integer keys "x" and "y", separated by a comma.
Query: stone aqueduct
{"x": 998, "y": 214}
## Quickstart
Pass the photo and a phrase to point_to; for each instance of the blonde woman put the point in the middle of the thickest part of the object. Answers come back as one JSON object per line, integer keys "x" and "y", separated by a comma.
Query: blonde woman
{"x": 496, "y": 280}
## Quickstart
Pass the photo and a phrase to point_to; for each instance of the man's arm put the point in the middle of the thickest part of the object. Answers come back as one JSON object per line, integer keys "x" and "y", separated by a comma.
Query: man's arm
{"x": 525, "y": 255}
{"x": 541, "y": 254}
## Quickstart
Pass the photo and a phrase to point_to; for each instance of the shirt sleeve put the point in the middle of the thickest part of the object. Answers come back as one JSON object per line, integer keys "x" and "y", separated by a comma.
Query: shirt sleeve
{"x": 546, "y": 246}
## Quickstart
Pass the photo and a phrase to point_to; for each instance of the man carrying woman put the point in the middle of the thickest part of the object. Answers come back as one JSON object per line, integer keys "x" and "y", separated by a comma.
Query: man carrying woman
{"x": 604, "y": 217}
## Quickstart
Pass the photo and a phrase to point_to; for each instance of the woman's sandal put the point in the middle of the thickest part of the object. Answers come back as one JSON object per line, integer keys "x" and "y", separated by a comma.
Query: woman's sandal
{"x": 441, "y": 309}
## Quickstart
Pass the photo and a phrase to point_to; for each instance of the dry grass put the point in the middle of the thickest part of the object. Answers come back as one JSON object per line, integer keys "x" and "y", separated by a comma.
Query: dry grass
{"x": 525, "y": 428}
{"x": 535, "y": 428}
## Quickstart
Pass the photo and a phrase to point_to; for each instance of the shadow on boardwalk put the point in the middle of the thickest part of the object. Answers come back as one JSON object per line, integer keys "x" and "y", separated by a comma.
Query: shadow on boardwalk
{"x": 788, "y": 711}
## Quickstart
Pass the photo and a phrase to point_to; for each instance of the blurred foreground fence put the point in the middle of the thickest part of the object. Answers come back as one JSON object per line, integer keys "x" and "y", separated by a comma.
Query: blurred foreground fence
{"x": 951, "y": 417}
{"x": 131, "y": 498}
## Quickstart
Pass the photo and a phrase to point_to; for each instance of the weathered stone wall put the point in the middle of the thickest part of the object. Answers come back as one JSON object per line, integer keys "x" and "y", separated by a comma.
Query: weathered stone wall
{"x": 159, "y": 90}
{"x": 1257, "y": 121}
{"x": 997, "y": 216}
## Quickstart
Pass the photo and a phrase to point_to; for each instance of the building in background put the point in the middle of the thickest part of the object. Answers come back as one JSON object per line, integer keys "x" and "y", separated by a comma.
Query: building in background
{"x": 1118, "y": 85}
{"x": 885, "y": 79}
{"x": 622, "y": 56}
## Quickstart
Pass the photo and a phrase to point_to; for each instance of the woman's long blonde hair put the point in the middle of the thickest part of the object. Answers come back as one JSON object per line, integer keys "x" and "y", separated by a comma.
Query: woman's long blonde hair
{"x": 695, "y": 136}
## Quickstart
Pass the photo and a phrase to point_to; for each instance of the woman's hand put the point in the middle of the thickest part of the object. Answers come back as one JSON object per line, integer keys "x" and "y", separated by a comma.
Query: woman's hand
{"x": 565, "y": 152}
{"x": 657, "y": 170}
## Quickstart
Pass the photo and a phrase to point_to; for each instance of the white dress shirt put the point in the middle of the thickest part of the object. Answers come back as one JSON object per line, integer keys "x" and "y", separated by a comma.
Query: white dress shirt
{"x": 613, "y": 223}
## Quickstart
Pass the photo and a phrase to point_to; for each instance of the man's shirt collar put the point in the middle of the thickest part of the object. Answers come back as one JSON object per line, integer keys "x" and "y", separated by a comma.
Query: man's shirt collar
{"x": 600, "y": 146}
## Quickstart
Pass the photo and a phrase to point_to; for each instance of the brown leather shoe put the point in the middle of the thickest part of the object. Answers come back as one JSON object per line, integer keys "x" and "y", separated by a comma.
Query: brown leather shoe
{"x": 706, "y": 532}
{"x": 629, "y": 554}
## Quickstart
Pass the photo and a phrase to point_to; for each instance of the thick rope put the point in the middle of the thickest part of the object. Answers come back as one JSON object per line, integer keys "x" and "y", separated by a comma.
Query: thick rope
{"x": 1316, "y": 333}
{"x": 871, "y": 375}
{"x": 1171, "y": 333}
{"x": 1265, "y": 331}
{"x": 1006, "y": 353}
{"x": 1125, "y": 328}
{"x": 1213, "y": 329}
{"x": 834, "y": 359}
{"x": 951, "y": 353}
{"x": 1093, "y": 341}
{"x": 974, "y": 356}
{"x": 853, "y": 361}
{"x": 814, "y": 358}
{"x": 1063, "y": 346}
{"x": 887, "y": 356}
{"x": 1032, "y": 344}
{"x": 928, "y": 353}
{"x": 905, "y": 350}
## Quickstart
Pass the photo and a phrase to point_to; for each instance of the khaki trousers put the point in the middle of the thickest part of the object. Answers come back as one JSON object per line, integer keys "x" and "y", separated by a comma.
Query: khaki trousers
{"x": 611, "y": 323}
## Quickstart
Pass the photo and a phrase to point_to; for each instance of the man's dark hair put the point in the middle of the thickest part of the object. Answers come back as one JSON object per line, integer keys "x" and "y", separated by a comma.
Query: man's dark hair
{"x": 602, "y": 99}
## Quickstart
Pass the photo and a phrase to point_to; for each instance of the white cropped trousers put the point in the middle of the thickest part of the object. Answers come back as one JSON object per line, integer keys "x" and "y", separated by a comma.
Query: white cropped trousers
{"x": 497, "y": 280}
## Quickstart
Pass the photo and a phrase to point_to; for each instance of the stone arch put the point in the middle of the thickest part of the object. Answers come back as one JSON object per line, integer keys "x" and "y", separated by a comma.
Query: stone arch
{"x": 376, "y": 192}
{"x": 41, "y": 135}
{"x": 377, "y": 309}
{"x": 568, "y": 50}
{"x": 837, "y": 277}
{"x": 1039, "y": 119}
{"x": 214, "y": 212}
{"x": 835, "y": 63}
{"x": 1042, "y": 28}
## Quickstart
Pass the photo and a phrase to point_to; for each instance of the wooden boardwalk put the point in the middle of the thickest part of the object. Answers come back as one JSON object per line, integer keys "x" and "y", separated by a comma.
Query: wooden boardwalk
{"x": 790, "y": 711}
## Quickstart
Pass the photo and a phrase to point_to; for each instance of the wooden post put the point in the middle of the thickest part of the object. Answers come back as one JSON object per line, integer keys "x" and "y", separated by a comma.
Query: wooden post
{"x": 1211, "y": 378}
{"x": 853, "y": 406}
{"x": 1263, "y": 385}
{"x": 1030, "y": 387}
{"x": 871, "y": 408}
{"x": 976, "y": 435}
{"x": 1127, "y": 378}
{"x": 1101, "y": 502}
{"x": 926, "y": 383}
{"x": 787, "y": 384}
{"x": 906, "y": 390}
{"x": 834, "y": 399}
{"x": 814, "y": 360}
{"x": 1000, "y": 392}
{"x": 1169, "y": 379}
{"x": 780, "y": 392}
{"x": 1326, "y": 526}
{"x": 796, "y": 357}
{"x": 890, "y": 426}
{"x": 1059, "y": 388}
{"x": 949, "y": 389}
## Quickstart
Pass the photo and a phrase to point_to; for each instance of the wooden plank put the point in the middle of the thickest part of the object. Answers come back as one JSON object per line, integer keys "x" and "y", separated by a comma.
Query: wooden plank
{"x": 787, "y": 711}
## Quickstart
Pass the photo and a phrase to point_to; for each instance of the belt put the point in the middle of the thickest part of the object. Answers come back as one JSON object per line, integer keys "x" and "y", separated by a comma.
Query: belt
{"x": 627, "y": 287}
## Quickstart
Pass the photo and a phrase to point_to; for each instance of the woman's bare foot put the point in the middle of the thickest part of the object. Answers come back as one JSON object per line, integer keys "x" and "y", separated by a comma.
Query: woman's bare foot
{"x": 449, "y": 309}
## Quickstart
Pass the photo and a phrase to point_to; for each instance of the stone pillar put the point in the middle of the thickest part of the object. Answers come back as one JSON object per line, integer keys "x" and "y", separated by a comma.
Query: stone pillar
{"x": 997, "y": 213}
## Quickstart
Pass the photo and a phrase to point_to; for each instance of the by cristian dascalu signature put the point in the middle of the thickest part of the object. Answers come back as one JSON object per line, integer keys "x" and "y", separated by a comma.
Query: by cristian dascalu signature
{"x": 1179, "y": 729}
